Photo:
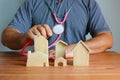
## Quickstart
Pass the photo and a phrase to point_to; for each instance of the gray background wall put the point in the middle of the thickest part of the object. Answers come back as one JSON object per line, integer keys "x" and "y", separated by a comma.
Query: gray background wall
{"x": 110, "y": 9}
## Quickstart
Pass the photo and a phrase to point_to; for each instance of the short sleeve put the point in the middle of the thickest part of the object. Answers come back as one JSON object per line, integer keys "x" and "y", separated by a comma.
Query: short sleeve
{"x": 23, "y": 18}
{"x": 97, "y": 22}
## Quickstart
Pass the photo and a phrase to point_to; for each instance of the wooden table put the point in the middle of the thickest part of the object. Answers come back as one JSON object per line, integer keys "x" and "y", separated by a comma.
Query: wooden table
{"x": 103, "y": 66}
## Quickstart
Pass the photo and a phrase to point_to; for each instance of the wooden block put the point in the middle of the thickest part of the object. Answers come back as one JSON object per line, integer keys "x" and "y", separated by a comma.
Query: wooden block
{"x": 80, "y": 54}
{"x": 60, "y": 62}
{"x": 60, "y": 49}
{"x": 41, "y": 44}
{"x": 37, "y": 59}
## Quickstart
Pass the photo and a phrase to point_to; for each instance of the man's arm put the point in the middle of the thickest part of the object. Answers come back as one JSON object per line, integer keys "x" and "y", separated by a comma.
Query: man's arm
{"x": 15, "y": 40}
{"x": 101, "y": 42}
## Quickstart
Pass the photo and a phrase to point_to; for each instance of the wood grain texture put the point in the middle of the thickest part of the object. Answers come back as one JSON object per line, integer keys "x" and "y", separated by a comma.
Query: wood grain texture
{"x": 103, "y": 66}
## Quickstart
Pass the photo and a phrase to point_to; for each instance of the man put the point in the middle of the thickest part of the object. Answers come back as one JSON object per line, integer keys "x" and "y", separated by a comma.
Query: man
{"x": 35, "y": 17}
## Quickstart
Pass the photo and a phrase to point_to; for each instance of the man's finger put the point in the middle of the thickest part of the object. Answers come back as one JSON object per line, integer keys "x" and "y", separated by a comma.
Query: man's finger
{"x": 35, "y": 31}
{"x": 48, "y": 30}
{"x": 42, "y": 30}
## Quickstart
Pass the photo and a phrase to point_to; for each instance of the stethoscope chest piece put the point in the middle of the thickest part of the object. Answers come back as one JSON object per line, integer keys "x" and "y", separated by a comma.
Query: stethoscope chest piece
{"x": 58, "y": 29}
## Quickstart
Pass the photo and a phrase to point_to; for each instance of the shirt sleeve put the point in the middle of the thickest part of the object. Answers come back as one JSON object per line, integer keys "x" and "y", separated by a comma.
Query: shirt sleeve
{"x": 23, "y": 18}
{"x": 97, "y": 22}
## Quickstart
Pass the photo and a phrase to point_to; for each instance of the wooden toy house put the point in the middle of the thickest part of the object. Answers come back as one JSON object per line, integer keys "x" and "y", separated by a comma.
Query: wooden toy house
{"x": 80, "y": 54}
{"x": 60, "y": 49}
{"x": 60, "y": 53}
{"x": 40, "y": 55}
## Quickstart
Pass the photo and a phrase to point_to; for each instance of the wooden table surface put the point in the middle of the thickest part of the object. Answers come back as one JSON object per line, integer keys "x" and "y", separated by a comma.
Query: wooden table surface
{"x": 103, "y": 66}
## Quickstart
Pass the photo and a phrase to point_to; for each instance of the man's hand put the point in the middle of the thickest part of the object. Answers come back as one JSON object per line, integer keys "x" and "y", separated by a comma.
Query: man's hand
{"x": 43, "y": 30}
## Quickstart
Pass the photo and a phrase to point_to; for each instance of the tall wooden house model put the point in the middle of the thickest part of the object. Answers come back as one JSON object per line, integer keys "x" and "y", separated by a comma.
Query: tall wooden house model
{"x": 40, "y": 56}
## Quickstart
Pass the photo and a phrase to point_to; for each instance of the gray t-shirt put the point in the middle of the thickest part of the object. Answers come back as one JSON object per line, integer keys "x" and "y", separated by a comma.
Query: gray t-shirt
{"x": 85, "y": 17}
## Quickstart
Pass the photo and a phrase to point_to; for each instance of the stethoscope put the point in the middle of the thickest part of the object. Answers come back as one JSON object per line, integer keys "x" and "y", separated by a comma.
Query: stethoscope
{"x": 57, "y": 29}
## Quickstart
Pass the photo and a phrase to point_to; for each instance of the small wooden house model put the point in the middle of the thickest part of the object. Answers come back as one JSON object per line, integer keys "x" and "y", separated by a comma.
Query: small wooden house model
{"x": 60, "y": 49}
{"x": 60, "y": 53}
{"x": 80, "y": 54}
